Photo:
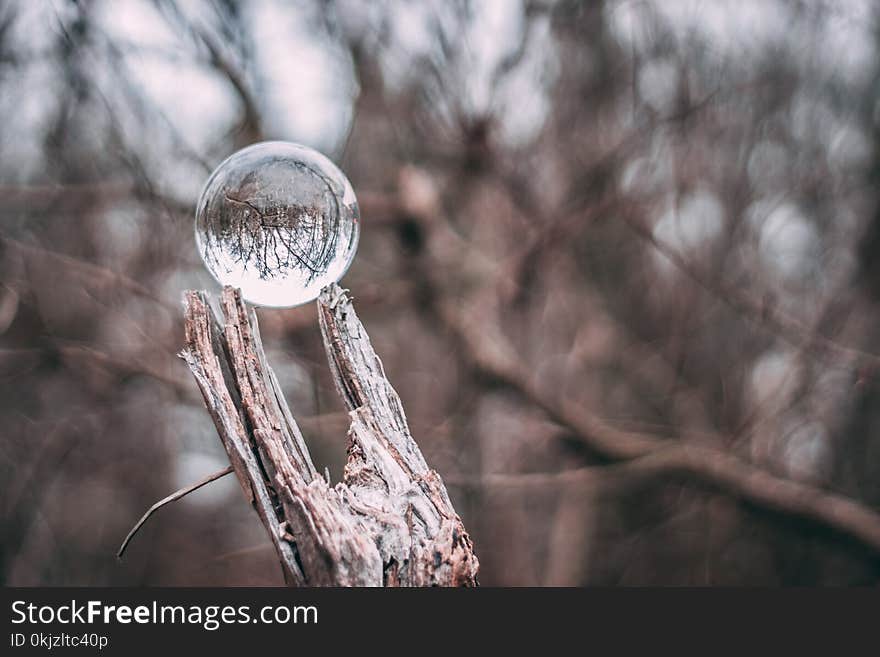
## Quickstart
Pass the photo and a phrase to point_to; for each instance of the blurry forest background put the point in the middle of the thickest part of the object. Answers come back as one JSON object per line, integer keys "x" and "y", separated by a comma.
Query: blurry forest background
{"x": 588, "y": 228}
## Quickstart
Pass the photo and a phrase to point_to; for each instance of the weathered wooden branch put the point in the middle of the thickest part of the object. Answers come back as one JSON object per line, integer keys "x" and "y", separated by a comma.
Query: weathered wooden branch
{"x": 390, "y": 521}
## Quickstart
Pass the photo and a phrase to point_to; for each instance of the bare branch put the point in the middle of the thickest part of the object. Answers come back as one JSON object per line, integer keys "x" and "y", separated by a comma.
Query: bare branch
{"x": 390, "y": 522}
{"x": 168, "y": 500}
{"x": 652, "y": 457}
{"x": 785, "y": 326}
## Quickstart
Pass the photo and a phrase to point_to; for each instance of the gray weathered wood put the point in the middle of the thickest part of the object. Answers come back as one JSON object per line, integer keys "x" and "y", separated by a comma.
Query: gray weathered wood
{"x": 390, "y": 521}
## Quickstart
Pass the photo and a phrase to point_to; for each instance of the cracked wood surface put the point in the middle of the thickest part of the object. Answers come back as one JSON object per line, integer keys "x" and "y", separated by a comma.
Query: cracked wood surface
{"x": 390, "y": 521}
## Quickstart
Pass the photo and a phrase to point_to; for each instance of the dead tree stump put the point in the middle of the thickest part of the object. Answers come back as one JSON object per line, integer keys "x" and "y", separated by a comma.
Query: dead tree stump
{"x": 390, "y": 521}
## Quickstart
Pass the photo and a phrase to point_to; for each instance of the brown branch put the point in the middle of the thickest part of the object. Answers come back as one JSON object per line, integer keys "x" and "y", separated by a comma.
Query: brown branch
{"x": 390, "y": 521}
{"x": 168, "y": 500}
{"x": 780, "y": 323}
{"x": 251, "y": 120}
{"x": 208, "y": 357}
{"x": 487, "y": 350}
{"x": 90, "y": 272}
{"x": 651, "y": 457}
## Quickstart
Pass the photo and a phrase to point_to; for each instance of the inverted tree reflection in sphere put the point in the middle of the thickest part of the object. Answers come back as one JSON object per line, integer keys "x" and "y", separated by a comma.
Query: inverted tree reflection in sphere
{"x": 278, "y": 220}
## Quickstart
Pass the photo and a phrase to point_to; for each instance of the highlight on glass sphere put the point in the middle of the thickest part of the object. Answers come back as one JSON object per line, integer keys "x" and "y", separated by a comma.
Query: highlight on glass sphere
{"x": 278, "y": 220}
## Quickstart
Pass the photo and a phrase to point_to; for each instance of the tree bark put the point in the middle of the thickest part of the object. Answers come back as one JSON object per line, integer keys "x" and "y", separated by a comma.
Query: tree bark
{"x": 390, "y": 521}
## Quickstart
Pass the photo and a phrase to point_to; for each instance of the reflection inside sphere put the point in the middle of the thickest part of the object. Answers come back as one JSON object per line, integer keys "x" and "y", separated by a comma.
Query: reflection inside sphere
{"x": 278, "y": 220}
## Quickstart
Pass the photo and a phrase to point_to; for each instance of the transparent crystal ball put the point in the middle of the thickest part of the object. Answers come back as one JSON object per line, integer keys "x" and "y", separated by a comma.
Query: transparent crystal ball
{"x": 278, "y": 220}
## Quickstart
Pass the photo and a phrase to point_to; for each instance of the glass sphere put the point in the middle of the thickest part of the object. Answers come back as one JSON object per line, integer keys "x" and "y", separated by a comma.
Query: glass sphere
{"x": 278, "y": 220}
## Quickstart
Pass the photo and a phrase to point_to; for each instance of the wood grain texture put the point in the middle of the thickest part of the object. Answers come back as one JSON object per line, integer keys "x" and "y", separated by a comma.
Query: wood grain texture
{"x": 390, "y": 522}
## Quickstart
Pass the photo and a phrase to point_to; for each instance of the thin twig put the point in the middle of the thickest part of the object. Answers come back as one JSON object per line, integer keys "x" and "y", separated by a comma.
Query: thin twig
{"x": 780, "y": 323}
{"x": 168, "y": 500}
{"x": 90, "y": 271}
